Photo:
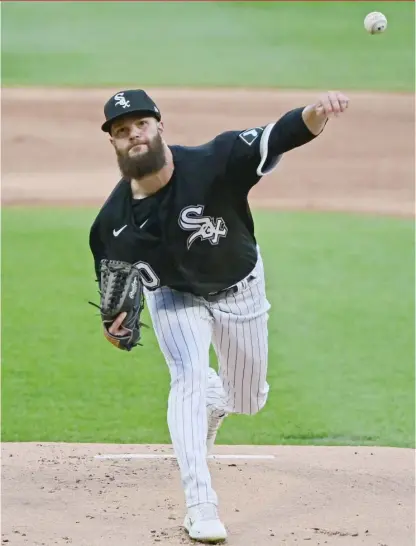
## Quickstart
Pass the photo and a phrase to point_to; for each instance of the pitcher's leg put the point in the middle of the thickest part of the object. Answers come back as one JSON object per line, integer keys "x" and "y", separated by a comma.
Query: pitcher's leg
{"x": 240, "y": 339}
{"x": 216, "y": 396}
{"x": 183, "y": 329}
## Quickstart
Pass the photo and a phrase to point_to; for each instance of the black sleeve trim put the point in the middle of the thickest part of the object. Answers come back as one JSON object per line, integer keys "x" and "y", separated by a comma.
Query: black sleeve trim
{"x": 289, "y": 132}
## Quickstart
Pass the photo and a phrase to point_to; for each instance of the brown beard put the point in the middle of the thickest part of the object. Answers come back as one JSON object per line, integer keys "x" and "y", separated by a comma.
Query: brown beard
{"x": 142, "y": 165}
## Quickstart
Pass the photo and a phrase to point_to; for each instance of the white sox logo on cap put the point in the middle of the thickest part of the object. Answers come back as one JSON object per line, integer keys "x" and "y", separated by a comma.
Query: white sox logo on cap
{"x": 129, "y": 101}
{"x": 121, "y": 100}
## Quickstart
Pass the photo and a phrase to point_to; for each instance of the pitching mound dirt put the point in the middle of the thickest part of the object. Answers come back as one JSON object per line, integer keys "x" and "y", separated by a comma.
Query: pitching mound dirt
{"x": 341, "y": 496}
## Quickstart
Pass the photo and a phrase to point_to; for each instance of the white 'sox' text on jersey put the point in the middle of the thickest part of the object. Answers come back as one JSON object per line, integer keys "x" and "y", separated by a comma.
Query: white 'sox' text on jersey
{"x": 204, "y": 227}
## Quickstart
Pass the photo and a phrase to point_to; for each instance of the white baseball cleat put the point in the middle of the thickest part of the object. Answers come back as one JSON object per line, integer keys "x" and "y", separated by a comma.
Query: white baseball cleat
{"x": 203, "y": 524}
{"x": 215, "y": 418}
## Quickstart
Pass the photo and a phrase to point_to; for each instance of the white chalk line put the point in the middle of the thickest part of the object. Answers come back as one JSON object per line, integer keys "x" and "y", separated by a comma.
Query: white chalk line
{"x": 171, "y": 456}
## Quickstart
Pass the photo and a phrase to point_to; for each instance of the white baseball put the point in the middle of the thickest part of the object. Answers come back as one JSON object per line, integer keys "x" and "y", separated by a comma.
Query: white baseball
{"x": 375, "y": 22}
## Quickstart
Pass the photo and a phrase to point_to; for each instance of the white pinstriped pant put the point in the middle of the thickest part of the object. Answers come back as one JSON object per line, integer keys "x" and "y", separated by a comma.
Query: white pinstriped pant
{"x": 185, "y": 326}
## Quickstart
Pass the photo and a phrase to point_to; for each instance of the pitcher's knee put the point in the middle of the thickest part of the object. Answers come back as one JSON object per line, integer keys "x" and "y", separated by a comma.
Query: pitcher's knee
{"x": 187, "y": 373}
{"x": 257, "y": 403}
{"x": 252, "y": 403}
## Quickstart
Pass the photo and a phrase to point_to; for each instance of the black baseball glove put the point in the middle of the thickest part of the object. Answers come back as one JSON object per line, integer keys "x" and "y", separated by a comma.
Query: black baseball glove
{"x": 121, "y": 290}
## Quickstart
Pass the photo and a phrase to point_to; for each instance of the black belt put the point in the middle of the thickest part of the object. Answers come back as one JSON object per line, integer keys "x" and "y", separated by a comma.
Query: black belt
{"x": 231, "y": 289}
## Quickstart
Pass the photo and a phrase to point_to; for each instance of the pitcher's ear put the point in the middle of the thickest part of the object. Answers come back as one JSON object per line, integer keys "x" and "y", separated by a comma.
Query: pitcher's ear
{"x": 160, "y": 127}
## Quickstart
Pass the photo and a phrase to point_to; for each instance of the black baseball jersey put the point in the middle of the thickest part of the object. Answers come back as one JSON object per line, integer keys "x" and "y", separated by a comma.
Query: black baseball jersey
{"x": 196, "y": 234}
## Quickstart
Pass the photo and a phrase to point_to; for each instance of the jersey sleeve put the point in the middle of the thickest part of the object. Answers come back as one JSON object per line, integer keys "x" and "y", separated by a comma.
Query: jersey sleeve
{"x": 257, "y": 150}
{"x": 97, "y": 247}
{"x": 250, "y": 152}
{"x": 96, "y": 240}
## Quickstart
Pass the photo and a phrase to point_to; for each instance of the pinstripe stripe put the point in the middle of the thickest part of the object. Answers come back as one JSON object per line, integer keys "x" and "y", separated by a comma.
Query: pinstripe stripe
{"x": 242, "y": 360}
{"x": 235, "y": 341}
{"x": 222, "y": 366}
{"x": 183, "y": 383}
{"x": 226, "y": 363}
{"x": 259, "y": 345}
{"x": 203, "y": 361}
{"x": 156, "y": 317}
{"x": 250, "y": 324}
{"x": 218, "y": 346}
{"x": 200, "y": 412}
{"x": 263, "y": 355}
{"x": 235, "y": 346}
{"x": 191, "y": 416}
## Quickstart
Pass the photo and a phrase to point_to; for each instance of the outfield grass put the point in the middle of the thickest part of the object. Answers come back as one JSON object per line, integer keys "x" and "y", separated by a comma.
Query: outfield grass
{"x": 341, "y": 337}
{"x": 251, "y": 44}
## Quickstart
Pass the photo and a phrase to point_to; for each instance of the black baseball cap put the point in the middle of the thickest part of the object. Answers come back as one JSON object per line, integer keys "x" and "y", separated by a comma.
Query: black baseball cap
{"x": 128, "y": 102}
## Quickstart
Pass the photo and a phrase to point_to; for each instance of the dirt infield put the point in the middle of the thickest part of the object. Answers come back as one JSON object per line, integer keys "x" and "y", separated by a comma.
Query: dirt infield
{"x": 53, "y": 152}
{"x": 60, "y": 494}
{"x": 53, "y": 149}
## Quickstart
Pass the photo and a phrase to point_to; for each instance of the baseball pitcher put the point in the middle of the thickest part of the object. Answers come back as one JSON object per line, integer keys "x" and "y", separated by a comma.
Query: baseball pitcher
{"x": 177, "y": 233}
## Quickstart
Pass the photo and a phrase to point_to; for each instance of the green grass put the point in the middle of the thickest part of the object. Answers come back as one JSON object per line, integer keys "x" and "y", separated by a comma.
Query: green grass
{"x": 341, "y": 337}
{"x": 248, "y": 44}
